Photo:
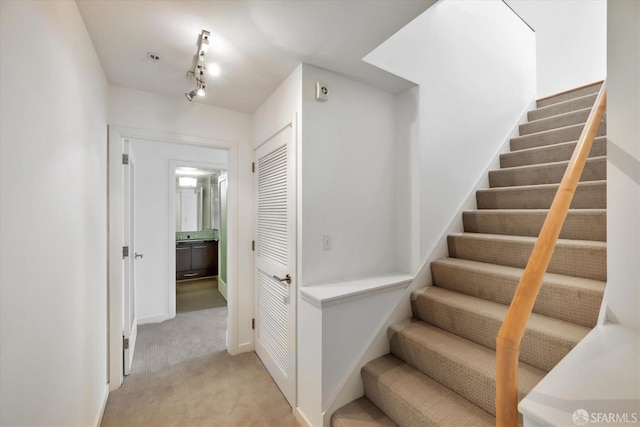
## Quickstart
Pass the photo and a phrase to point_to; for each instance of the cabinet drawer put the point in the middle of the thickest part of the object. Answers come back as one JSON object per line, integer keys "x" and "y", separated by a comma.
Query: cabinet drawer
{"x": 194, "y": 274}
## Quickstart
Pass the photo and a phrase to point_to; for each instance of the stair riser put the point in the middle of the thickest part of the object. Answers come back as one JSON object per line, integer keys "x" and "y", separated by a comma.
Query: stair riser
{"x": 536, "y": 349}
{"x": 555, "y": 136}
{"x": 568, "y": 303}
{"x": 381, "y": 388}
{"x": 562, "y": 108}
{"x": 384, "y": 398}
{"x": 360, "y": 413}
{"x": 588, "y": 90}
{"x": 554, "y": 122}
{"x": 595, "y": 170}
{"x": 591, "y": 195}
{"x": 578, "y": 225}
{"x": 441, "y": 368}
{"x": 565, "y": 96}
{"x": 588, "y": 261}
{"x": 550, "y": 154}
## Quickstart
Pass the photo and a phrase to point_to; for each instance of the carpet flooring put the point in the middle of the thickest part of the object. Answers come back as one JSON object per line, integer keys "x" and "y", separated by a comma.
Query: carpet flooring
{"x": 182, "y": 375}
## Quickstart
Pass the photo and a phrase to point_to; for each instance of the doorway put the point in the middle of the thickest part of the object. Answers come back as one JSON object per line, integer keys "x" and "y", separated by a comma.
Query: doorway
{"x": 117, "y": 297}
{"x": 199, "y": 214}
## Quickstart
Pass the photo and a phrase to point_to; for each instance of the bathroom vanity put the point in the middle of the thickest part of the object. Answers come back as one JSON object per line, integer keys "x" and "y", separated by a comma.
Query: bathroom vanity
{"x": 196, "y": 258}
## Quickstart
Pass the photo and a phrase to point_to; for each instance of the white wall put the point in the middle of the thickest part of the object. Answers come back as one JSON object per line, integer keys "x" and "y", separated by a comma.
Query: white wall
{"x": 171, "y": 116}
{"x": 407, "y": 191}
{"x": 622, "y": 294}
{"x": 154, "y": 281}
{"x": 469, "y": 101}
{"x": 348, "y": 179}
{"x": 331, "y": 342}
{"x": 279, "y": 109}
{"x": 571, "y": 39}
{"x": 53, "y": 198}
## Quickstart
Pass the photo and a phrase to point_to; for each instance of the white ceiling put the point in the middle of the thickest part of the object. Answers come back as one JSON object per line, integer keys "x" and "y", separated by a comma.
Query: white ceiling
{"x": 256, "y": 43}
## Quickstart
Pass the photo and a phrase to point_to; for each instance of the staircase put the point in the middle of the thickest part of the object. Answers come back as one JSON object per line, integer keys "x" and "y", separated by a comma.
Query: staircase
{"x": 441, "y": 369}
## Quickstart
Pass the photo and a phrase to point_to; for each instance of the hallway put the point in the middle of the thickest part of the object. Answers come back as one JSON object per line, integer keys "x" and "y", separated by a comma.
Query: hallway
{"x": 182, "y": 375}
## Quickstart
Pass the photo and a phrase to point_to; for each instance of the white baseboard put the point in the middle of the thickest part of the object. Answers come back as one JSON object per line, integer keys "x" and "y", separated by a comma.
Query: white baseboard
{"x": 103, "y": 406}
{"x": 154, "y": 319}
{"x": 245, "y": 348}
{"x": 299, "y": 416}
{"x": 222, "y": 288}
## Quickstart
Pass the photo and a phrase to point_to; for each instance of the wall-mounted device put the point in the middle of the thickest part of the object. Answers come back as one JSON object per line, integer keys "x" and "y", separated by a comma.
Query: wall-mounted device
{"x": 322, "y": 91}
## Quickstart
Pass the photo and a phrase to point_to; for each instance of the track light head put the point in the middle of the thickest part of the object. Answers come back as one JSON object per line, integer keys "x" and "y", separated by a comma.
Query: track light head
{"x": 191, "y": 95}
{"x": 200, "y": 88}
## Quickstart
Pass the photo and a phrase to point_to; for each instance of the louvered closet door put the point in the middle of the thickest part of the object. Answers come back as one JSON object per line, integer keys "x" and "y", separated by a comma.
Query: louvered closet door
{"x": 275, "y": 329}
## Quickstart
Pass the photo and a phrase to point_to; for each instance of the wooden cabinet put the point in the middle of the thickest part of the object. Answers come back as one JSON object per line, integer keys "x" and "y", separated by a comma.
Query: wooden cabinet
{"x": 196, "y": 259}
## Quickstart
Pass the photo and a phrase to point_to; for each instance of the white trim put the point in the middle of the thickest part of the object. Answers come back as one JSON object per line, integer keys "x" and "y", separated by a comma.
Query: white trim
{"x": 115, "y": 150}
{"x": 171, "y": 259}
{"x": 222, "y": 286}
{"x": 103, "y": 405}
{"x": 244, "y": 347}
{"x": 325, "y": 295}
{"x": 114, "y": 255}
{"x": 300, "y": 417}
{"x": 155, "y": 319}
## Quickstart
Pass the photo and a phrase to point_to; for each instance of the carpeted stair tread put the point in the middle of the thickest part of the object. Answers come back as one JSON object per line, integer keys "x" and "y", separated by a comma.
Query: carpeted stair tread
{"x": 574, "y": 104}
{"x": 549, "y": 173}
{"x": 463, "y": 366}
{"x": 580, "y": 224}
{"x": 546, "y": 340}
{"x": 588, "y": 195}
{"x": 579, "y": 258}
{"x": 360, "y": 413}
{"x": 557, "y": 121}
{"x": 567, "y": 95}
{"x": 411, "y": 398}
{"x": 553, "y": 136}
{"x": 568, "y": 298}
{"x": 550, "y": 153}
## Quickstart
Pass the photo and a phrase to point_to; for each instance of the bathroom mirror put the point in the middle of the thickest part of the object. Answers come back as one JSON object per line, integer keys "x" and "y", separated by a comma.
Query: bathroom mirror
{"x": 197, "y": 199}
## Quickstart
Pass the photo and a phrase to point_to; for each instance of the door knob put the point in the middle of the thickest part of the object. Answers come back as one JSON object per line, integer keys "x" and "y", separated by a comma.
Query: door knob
{"x": 286, "y": 278}
{"x": 139, "y": 255}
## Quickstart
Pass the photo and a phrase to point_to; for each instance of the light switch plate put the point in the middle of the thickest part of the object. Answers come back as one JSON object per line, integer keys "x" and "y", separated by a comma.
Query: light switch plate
{"x": 327, "y": 242}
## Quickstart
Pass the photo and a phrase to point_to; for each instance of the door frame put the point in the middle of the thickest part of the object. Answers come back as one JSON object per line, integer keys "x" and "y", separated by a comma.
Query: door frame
{"x": 130, "y": 315}
{"x": 173, "y": 164}
{"x": 116, "y": 137}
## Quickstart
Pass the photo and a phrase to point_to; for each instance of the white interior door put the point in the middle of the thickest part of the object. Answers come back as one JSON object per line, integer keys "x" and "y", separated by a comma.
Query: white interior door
{"x": 275, "y": 329}
{"x": 129, "y": 321}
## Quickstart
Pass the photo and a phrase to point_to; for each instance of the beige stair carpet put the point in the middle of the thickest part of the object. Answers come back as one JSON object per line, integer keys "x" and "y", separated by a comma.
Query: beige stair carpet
{"x": 441, "y": 369}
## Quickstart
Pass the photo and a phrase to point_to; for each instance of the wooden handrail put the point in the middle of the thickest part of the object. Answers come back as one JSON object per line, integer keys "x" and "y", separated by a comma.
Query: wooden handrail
{"x": 515, "y": 322}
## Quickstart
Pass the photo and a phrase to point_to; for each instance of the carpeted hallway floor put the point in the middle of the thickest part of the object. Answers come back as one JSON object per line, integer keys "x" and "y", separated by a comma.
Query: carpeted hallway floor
{"x": 182, "y": 375}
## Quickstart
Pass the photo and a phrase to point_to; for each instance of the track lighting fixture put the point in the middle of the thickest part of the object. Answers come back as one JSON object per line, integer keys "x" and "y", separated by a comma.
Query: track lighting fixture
{"x": 200, "y": 68}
